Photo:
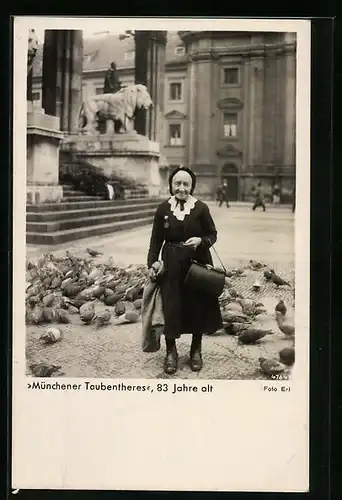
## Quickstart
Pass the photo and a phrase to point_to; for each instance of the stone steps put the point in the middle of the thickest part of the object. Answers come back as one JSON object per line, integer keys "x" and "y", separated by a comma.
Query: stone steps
{"x": 57, "y": 207}
{"x": 110, "y": 210}
{"x": 54, "y": 238}
{"x": 79, "y": 215}
{"x": 77, "y": 199}
{"x": 89, "y": 222}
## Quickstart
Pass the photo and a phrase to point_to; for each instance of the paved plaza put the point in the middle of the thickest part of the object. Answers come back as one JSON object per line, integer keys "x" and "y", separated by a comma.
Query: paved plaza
{"x": 115, "y": 352}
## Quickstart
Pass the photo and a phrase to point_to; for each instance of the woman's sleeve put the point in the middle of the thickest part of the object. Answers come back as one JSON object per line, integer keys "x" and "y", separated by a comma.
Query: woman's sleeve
{"x": 157, "y": 238}
{"x": 209, "y": 229}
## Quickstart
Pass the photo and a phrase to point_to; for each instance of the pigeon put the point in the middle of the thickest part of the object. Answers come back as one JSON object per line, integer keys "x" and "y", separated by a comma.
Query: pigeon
{"x": 111, "y": 300}
{"x": 62, "y": 316}
{"x": 137, "y": 303}
{"x": 256, "y": 286}
{"x": 255, "y": 265}
{"x": 103, "y": 318}
{"x": 284, "y": 325}
{"x": 271, "y": 366}
{"x": 48, "y": 300}
{"x": 277, "y": 280}
{"x": 233, "y": 328}
{"x": 134, "y": 292}
{"x": 127, "y": 317}
{"x": 51, "y": 335}
{"x": 234, "y": 316}
{"x": 93, "y": 253}
{"x": 234, "y": 307}
{"x": 252, "y": 335}
{"x": 267, "y": 275}
{"x": 87, "y": 312}
{"x": 70, "y": 256}
{"x": 43, "y": 369}
{"x": 281, "y": 307}
{"x": 78, "y": 302}
{"x": 287, "y": 356}
{"x": 48, "y": 314}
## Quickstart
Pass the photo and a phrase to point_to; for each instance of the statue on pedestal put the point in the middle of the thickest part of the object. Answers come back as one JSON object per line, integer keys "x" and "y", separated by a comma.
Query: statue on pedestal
{"x": 112, "y": 83}
{"x": 119, "y": 107}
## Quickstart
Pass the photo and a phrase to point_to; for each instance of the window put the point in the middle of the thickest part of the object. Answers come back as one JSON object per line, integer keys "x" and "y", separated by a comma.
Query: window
{"x": 229, "y": 124}
{"x": 230, "y": 76}
{"x": 129, "y": 55}
{"x": 175, "y": 91}
{"x": 175, "y": 134}
{"x": 99, "y": 90}
{"x": 180, "y": 51}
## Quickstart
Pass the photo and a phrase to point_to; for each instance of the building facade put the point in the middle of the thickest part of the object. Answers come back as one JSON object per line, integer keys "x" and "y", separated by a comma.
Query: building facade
{"x": 229, "y": 103}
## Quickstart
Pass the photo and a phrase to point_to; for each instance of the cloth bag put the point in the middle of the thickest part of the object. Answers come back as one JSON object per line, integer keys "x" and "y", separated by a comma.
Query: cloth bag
{"x": 152, "y": 317}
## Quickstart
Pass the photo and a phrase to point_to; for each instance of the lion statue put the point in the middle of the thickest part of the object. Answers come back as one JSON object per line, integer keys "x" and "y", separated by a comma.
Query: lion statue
{"x": 119, "y": 107}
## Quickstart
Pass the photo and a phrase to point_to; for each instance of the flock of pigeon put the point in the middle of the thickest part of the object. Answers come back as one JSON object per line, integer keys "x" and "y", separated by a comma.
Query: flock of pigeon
{"x": 59, "y": 288}
{"x": 245, "y": 318}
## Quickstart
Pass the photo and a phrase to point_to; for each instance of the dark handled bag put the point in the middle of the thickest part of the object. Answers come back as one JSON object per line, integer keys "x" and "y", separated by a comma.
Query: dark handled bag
{"x": 206, "y": 279}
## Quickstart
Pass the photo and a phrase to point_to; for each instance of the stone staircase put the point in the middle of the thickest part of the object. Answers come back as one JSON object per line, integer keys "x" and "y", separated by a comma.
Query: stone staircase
{"x": 79, "y": 216}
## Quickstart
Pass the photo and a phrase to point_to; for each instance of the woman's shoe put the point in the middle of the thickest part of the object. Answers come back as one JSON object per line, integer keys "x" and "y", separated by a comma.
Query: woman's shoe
{"x": 196, "y": 362}
{"x": 171, "y": 361}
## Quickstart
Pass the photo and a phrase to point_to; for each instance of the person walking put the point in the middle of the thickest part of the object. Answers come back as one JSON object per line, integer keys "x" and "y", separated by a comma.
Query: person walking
{"x": 276, "y": 194}
{"x": 184, "y": 229}
{"x": 259, "y": 198}
{"x": 223, "y": 195}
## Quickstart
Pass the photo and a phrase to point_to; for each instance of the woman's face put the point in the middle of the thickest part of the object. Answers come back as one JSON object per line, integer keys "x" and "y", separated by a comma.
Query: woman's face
{"x": 181, "y": 185}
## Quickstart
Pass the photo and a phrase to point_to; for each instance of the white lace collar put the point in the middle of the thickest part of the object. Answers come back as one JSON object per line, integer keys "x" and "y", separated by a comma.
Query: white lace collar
{"x": 188, "y": 206}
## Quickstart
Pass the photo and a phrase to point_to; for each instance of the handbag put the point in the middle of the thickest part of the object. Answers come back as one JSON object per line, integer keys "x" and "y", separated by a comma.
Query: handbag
{"x": 205, "y": 278}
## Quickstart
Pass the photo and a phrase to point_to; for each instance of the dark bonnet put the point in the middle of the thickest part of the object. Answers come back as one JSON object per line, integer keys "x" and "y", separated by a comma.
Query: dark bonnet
{"x": 183, "y": 169}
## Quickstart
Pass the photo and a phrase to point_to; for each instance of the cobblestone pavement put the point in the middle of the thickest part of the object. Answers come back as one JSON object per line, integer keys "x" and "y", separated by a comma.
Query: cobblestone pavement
{"x": 115, "y": 352}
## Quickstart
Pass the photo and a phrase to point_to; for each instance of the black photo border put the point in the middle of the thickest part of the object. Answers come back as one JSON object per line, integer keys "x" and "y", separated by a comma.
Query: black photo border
{"x": 321, "y": 265}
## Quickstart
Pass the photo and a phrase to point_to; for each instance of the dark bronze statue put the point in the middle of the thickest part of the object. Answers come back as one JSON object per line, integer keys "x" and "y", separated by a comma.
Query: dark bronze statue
{"x": 112, "y": 83}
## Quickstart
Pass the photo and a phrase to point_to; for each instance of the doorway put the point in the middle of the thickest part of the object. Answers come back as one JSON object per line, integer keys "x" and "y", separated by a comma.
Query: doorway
{"x": 229, "y": 173}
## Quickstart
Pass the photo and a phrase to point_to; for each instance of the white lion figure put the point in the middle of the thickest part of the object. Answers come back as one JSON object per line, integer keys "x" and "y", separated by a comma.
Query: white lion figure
{"x": 119, "y": 107}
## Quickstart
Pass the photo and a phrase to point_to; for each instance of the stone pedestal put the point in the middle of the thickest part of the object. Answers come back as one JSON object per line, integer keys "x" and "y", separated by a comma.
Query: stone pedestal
{"x": 43, "y": 140}
{"x": 128, "y": 156}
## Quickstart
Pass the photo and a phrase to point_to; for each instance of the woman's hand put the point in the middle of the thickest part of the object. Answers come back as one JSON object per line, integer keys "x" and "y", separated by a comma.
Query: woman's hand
{"x": 193, "y": 242}
{"x": 155, "y": 270}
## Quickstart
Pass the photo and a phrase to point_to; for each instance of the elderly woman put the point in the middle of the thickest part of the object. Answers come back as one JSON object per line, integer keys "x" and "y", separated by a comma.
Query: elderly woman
{"x": 185, "y": 227}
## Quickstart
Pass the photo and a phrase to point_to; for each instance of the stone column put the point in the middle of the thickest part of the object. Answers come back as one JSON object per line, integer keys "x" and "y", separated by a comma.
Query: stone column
{"x": 290, "y": 100}
{"x": 248, "y": 126}
{"x": 150, "y": 71}
{"x": 62, "y": 76}
{"x": 192, "y": 95}
{"x": 202, "y": 102}
{"x": 256, "y": 100}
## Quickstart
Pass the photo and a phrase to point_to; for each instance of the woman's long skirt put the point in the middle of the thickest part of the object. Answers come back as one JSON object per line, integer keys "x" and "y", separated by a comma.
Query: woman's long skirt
{"x": 185, "y": 311}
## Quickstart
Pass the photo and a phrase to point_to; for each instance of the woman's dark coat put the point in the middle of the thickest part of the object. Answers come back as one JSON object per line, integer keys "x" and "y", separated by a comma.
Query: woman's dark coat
{"x": 184, "y": 311}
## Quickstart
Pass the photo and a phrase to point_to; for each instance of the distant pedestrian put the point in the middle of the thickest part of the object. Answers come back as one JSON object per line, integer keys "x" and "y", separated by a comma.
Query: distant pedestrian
{"x": 259, "y": 198}
{"x": 276, "y": 194}
{"x": 110, "y": 194}
{"x": 223, "y": 194}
